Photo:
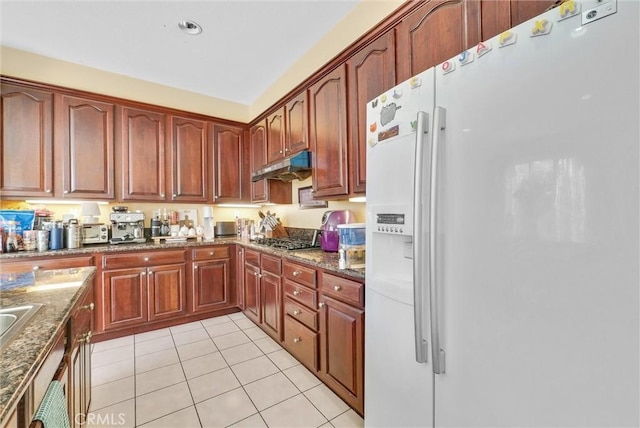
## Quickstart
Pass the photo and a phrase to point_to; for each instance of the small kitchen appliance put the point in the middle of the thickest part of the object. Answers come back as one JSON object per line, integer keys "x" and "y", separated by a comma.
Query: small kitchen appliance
{"x": 95, "y": 233}
{"x": 127, "y": 227}
{"x": 330, "y": 238}
{"x": 226, "y": 228}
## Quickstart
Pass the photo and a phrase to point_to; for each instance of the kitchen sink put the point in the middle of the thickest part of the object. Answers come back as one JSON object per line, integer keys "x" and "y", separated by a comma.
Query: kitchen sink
{"x": 13, "y": 320}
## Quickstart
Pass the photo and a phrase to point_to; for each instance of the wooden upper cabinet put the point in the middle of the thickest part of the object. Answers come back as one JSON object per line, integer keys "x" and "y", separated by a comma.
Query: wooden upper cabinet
{"x": 328, "y": 134}
{"x": 436, "y": 31}
{"x": 275, "y": 191}
{"x": 140, "y": 152}
{"x": 500, "y": 15}
{"x": 258, "y": 137}
{"x": 371, "y": 71}
{"x": 26, "y": 140}
{"x": 296, "y": 133}
{"x": 275, "y": 136}
{"x": 188, "y": 159}
{"x": 84, "y": 141}
{"x": 228, "y": 155}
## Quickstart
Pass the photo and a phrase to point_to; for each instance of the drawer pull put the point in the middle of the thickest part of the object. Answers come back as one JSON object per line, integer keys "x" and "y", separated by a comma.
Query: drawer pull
{"x": 143, "y": 273}
{"x": 91, "y": 306}
{"x": 337, "y": 288}
{"x": 211, "y": 253}
{"x": 321, "y": 305}
{"x": 36, "y": 268}
{"x": 296, "y": 272}
{"x": 296, "y": 339}
{"x": 296, "y": 312}
{"x": 296, "y": 292}
{"x": 146, "y": 259}
{"x": 195, "y": 267}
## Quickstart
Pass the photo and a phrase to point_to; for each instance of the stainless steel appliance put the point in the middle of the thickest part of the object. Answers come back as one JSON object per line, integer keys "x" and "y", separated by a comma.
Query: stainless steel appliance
{"x": 74, "y": 234}
{"x": 226, "y": 228}
{"x": 127, "y": 227}
{"x": 97, "y": 233}
{"x": 330, "y": 238}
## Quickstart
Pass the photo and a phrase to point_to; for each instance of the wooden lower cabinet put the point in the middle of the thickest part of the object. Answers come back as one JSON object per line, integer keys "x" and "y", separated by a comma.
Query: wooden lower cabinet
{"x": 166, "y": 291}
{"x": 270, "y": 306}
{"x": 211, "y": 275}
{"x": 302, "y": 342}
{"x": 124, "y": 298}
{"x": 251, "y": 287}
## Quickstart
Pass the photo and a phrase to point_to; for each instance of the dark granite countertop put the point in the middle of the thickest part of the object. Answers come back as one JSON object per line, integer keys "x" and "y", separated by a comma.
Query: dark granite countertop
{"x": 58, "y": 291}
{"x": 315, "y": 257}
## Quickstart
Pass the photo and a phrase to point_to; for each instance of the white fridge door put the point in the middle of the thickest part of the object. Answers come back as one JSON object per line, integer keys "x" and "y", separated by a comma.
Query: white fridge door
{"x": 538, "y": 275}
{"x": 398, "y": 390}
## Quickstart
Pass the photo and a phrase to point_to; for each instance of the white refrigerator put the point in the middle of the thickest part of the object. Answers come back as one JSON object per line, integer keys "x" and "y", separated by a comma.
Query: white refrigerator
{"x": 503, "y": 231}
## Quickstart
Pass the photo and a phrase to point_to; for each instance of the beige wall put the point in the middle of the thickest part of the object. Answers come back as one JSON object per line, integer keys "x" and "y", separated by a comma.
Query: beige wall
{"x": 40, "y": 68}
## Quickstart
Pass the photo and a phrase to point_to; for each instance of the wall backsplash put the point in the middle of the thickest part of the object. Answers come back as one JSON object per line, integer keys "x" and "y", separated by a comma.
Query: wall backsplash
{"x": 290, "y": 215}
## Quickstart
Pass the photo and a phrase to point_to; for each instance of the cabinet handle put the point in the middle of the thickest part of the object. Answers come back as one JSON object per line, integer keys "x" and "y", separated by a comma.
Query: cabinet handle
{"x": 255, "y": 274}
{"x": 150, "y": 272}
{"x": 296, "y": 272}
{"x": 296, "y": 292}
{"x": 143, "y": 273}
{"x": 296, "y": 312}
{"x": 91, "y": 306}
{"x": 296, "y": 339}
{"x": 286, "y": 150}
{"x": 146, "y": 259}
{"x": 211, "y": 253}
{"x": 65, "y": 192}
{"x": 87, "y": 337}
{"x": 162, "y": 195}
{"x": 36, "y": 268}
{"x": 174, "y": 195}
{"x": 321, "y": 305}
{"x": 239, "y": 251}
{"x": 48, "y": 191}
{"x": 337, "y": 288}
{"x": 215, "y": 196}
{"x": 259, "y": 275}
{"x": 195, "y": 267}
{"x": 280, "y": 152}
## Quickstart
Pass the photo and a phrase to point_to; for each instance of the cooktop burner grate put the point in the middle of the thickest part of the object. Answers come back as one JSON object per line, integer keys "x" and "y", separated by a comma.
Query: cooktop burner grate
{"x": 283, "y": 243}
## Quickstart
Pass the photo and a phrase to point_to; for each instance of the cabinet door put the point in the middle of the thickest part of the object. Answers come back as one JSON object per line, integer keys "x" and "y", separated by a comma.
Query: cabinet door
{"x": 84, "y": 139}
{"x": 371, "y": 71}
{"x": 80, "y": 331}
{"x": 499, "y": 16}
{"x": 26, "y": 142}
{"x": 297, "y": 133}
{"x": 228, "y": 144}
{"x": 211, "y": 285}
{"x": 258, "y": 137}
{"x": 252, "y": 292}
{"x": 271, "y": 303}
{"x": 188, "y": 159}
{"x": 124, "y": 295}
{"x": 239, "y": 286}
{"x": 141, "y": 154}
{"x": 167, "y": 291}
{"x": 275, "y": 136}
{"x": 328, "y": 134}
{"x": 342, "y": 350}
{"x": 436, "y": 31}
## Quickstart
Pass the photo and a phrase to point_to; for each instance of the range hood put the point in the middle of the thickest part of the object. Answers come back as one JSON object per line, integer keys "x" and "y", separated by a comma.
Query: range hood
{"x": 295, "y": 167}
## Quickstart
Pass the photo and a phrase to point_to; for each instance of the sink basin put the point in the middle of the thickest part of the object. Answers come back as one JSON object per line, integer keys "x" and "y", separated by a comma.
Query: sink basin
{"x": 13, "y": 320}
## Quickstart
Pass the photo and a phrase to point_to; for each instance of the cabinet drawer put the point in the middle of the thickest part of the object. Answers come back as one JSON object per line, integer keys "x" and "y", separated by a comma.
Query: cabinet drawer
{"x": 271, "y": 264}
{"x": 26, "y": 265}
{"x": 301, "y": 313}
{"x": 301, "y": 294}
{"x": 301, "y": 342}
{"x": 117, "y": 261}
{"x": 343, "y": 289}
{"x": 301, "y": 274}
{"x": 252, "y": 257}
{"x": 208, "y": 253}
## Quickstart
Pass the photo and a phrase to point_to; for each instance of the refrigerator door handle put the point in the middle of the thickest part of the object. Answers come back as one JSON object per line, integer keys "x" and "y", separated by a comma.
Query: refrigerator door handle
{"x": 438, "y": 354}
{"x": 422, "y": 349}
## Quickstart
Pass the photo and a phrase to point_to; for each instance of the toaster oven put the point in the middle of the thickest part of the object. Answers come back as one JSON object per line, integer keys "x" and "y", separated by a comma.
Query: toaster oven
{"x": 97, "y": 233}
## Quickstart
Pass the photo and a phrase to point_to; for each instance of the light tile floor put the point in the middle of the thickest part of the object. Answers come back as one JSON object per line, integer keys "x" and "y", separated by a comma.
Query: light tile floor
{"x": 218, "y": 372}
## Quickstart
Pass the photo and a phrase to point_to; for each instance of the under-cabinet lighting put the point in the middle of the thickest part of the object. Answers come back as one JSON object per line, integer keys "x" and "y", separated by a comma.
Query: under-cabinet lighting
{"x": 60, "y": 202}
{"x": 238, "y": 206}
{"x": 358, "y": 199}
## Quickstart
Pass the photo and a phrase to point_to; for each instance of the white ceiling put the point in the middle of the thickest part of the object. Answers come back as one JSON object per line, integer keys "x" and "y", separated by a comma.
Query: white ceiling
{"x": 244, "y": 47}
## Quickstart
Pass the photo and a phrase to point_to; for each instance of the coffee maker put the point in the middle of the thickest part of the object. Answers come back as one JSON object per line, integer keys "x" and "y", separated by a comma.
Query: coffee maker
{"x": 127, "y": 227}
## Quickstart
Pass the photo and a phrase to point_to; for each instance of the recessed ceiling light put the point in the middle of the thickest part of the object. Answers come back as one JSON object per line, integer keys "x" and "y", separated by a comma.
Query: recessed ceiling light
{"x": 190, "y": 27}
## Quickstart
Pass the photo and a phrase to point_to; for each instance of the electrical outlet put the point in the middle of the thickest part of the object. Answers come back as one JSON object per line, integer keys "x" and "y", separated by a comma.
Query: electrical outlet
{"x": 236, "y": 214}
